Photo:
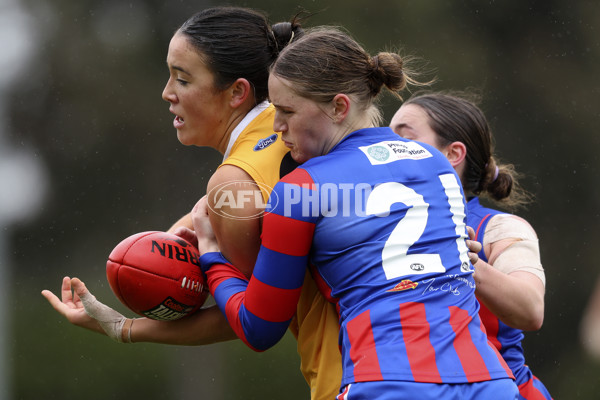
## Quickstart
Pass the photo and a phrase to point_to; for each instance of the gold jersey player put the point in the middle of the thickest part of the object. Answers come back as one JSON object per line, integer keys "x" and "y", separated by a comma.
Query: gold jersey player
{"x": 215, "y": 107}
{"x": 262, "y": 156}
{"x": 266, "y": 159}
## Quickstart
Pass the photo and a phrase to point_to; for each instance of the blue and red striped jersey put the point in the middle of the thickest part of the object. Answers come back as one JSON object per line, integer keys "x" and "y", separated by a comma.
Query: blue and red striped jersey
{"x": 505, "y": 338}
{"x": 381, "y": 220}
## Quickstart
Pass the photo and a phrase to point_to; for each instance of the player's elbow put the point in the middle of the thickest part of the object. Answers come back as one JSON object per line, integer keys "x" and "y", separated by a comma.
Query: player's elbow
{"x": 260, "y": 344}
{"x": 537, "y": 319}
{"x": 263, "y": 339}
{"x": 528, "y": 317}
{"x": 534, "y": 318}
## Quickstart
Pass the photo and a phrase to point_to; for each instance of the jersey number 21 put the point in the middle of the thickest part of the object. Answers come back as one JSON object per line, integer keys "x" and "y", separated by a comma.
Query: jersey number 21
{"x": 395, "y": 260}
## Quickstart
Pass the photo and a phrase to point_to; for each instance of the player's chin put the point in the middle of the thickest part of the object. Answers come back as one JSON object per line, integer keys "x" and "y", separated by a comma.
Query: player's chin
{"x": 184, "y": 138}
{"x": 298, "y": 157}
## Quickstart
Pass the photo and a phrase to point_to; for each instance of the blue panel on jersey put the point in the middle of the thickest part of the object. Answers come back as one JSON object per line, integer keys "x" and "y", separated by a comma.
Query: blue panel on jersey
{"x": 280, "y": 270}
{"x": 209, "y": 259}
{"x": 259, "y": 333}
{"x": 443, "y": 333}
{"x": 291, "y": 200}
{"x": 227, "y": 289}
{"x": 390, "y": 359}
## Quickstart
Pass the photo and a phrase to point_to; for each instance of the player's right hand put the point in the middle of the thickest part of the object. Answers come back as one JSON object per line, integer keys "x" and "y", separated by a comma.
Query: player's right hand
{"x": 207, "y": 241}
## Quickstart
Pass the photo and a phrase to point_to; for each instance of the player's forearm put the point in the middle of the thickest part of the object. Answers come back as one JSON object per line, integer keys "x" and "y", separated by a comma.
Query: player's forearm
{"x": 259, "y": 311}
{"x": 206, "y": 326}
{"x": 515, "y": 299}
{"x": 185, "y": 221}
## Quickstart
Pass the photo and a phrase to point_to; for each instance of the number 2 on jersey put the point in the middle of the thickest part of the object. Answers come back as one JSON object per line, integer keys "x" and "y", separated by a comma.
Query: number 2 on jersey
{"x": 395, "y": 260}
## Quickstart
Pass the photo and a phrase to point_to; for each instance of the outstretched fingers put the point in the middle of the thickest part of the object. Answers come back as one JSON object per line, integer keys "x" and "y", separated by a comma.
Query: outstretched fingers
{"x": 55, "y": 301}
{"x": 79, "y": 288}
{"x": 65, "y": 303}
{"x": 70, "y": 305}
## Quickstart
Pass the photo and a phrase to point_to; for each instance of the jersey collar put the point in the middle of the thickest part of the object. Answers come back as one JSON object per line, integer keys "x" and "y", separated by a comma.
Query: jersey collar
{"x": 243, "y": 124}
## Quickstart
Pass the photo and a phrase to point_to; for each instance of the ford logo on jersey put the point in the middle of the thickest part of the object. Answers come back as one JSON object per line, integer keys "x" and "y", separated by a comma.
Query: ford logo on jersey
{"x": 266, "y": 142}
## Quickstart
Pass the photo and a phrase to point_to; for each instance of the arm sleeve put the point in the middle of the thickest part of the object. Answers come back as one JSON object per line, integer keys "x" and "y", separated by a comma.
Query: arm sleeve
{"x": 260, "y": 310}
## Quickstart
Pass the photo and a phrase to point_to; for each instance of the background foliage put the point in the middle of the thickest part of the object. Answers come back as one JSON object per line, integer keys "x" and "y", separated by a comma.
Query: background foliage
{"x": 86, "y": 107}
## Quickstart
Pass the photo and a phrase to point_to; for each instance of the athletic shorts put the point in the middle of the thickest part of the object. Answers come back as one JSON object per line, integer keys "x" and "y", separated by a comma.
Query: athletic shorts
{"x": 498, "y": 389}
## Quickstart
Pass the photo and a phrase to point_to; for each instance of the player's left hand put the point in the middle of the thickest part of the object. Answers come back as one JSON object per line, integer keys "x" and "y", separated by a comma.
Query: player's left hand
{"x": 207, "y": 241}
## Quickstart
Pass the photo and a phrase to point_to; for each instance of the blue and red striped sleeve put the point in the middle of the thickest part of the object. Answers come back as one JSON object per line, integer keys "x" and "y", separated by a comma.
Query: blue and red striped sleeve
{"x": 260, "y": 310}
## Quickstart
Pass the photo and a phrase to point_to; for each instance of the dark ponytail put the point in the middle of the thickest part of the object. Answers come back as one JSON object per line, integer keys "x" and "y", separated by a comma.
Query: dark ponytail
{"x": 238, "y": 42}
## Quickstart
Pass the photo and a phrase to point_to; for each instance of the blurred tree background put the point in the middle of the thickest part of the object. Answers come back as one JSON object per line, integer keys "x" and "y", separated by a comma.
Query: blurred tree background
{"x": 88, "y": 156}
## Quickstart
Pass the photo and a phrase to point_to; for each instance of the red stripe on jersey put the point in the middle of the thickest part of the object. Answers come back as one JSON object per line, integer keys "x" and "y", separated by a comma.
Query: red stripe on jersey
{"x": 479, "y": 226}
{"x": 232, "y": 309}
{"x": 470, "y": 359}
{"x": 500, "y": 358}
{"x": 219, "y": 273}
{"x": 362, "y": 349}
{"x": 259, "y": 301}
{"x": 287, "y": 235}
{"x": 299, "y": 177}
{"x": 420, "y": 351}
{"x": 530, "y": 392}
{"x": 491, "y": 324}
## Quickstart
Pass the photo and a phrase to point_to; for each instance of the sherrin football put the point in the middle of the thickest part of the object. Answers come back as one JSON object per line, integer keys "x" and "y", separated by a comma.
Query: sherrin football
{"x": 157, "y": 275}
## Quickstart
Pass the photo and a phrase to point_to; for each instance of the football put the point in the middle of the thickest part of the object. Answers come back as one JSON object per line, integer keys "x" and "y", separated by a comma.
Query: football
{"x": 157, "y": 275}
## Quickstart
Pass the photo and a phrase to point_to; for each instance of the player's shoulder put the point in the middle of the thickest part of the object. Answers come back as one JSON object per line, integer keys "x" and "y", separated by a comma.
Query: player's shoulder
{"x": 234, "y": 198}
{"x": 300, "y": 176}
{"x": 230, "y": 179}
{"x": 383, "y": 146}
{"x": 226, "y": 174}
{"x": 509, "y": 225}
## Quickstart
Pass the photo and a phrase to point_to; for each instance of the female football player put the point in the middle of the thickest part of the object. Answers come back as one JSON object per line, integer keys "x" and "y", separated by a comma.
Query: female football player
{"x": 218, "y": 62}
{"x": 509, "y": 274}
{"x": 380, "y": 221}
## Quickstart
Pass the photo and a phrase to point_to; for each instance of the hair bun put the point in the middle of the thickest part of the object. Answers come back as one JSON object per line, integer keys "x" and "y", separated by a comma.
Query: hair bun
{"x": 386, "y": 70}
{"x": 283, "y": 34}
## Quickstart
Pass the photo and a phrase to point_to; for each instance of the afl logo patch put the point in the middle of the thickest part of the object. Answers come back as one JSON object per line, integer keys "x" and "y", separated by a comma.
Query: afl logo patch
{"x": 465, "y": 267}
{"x": 417, "y": 267}
{"x": 266, "y": 142}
